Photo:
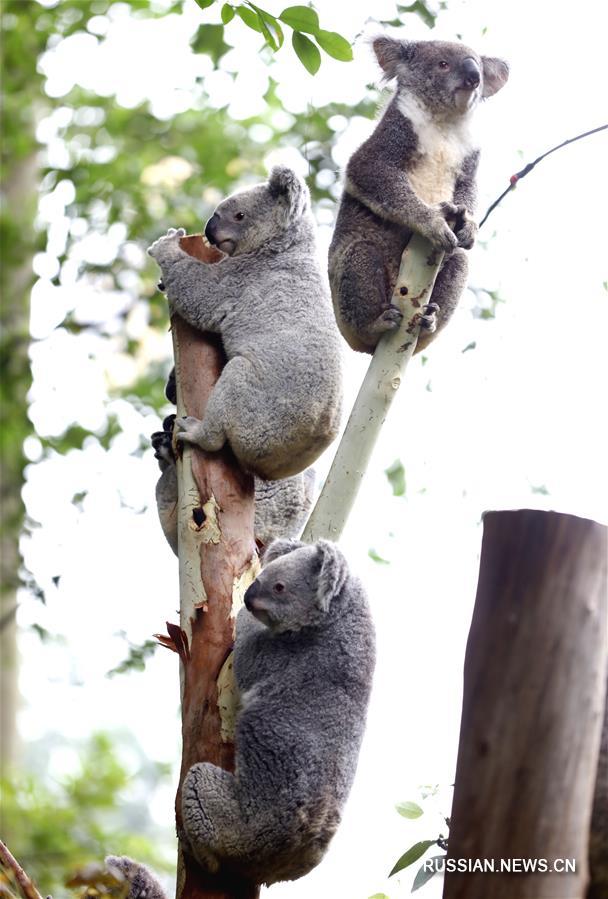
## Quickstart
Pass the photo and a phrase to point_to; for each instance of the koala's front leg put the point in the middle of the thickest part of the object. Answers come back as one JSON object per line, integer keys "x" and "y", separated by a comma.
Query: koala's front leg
{"x": 212, "y": 817}
{"x": 191, "y": 286}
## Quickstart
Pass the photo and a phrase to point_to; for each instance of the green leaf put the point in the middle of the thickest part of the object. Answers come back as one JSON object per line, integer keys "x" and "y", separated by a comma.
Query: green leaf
{"x": 249, "y": 17}
{"x": 204, "y": 3}
{"x": 379, "y": 896}
{"x": 412, "y": 855}
{"x": 301, "y": 18}
{"x": 334, "y": 45}
{"x": 307, "y": 53}
{"x": 470, "y": 346}
{"x": 377, "y": 558}
{"x": 209, "y": 39}
{"x": 541, "y": 489}
{"x": 396, "y": 477}
{"x": 271, "y": 29}
{"x": 422, "y": 10}
{"x": 424, "y": 874}
{"x": 227, "y": 13}
{"x": 409, "y": 809}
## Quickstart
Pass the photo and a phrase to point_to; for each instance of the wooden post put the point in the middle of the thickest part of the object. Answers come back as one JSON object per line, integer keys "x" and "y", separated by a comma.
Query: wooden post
{"x": 534, "y": 682}
{"x": 598, "y": 837}
{"x": 217, "y": 562}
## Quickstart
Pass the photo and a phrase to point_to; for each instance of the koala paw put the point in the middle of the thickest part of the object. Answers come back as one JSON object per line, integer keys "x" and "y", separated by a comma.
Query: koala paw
{"x": 428, "y": 320}
{"x": 167, "y": 248}
{"x": 466, "y": 234}
{"x": 188, "y": 429}
{"x": 440, "y": 234}
{"x": 389, "y": 320}
{"x": 162, "y": 443}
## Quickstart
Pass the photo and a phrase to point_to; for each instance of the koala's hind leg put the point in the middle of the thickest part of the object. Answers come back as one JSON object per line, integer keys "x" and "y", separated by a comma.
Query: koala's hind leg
{"x": 229, "y": 414}
{"x": 211, "y": 815}
{"x": 450, "y": 283}
{"x": 364, "y": 308}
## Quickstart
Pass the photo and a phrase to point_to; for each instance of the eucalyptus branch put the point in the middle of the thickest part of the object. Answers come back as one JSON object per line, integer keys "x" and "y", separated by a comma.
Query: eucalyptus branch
{"x": 528, "y": 168}
{"x": 417, "y": 273}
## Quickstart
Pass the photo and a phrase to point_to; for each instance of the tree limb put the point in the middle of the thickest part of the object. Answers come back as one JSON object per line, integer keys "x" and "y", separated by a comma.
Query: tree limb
{"x": 417, "y": 273}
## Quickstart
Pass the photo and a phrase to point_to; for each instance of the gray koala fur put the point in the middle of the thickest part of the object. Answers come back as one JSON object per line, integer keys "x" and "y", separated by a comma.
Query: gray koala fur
{"x": 142, "y": 883}
{"x": 415, "y": 172}
{"x": 304, "y": 658}
{"x": 281, "y": 507}
{"x": 278, "y": 399}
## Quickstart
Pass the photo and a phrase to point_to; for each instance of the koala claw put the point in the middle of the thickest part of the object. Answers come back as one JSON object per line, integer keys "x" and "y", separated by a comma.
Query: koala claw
{"x": 428, "y": 321}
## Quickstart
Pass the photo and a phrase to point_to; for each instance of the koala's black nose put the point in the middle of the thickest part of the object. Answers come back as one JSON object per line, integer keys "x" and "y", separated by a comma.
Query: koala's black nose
{"x": 250, "y": 593}
{"x": 471, "y": 72}
{"x": 211, "y": 226}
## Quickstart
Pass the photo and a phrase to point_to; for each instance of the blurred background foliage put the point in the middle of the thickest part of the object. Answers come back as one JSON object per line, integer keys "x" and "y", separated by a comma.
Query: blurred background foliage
{"x": 124, "y": 175}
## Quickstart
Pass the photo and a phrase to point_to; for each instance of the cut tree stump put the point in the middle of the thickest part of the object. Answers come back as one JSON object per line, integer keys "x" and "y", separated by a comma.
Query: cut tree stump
{"x": 217, "y": 562}
{"x": 534, "y": 681}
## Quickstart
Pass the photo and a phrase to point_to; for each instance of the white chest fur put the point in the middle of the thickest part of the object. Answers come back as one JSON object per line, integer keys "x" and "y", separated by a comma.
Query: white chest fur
{"x": 442, "y": 147}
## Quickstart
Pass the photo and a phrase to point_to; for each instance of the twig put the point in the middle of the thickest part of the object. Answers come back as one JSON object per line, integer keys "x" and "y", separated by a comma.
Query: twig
{"x": 528, "y": 168}
{"x": 23, "y": 881}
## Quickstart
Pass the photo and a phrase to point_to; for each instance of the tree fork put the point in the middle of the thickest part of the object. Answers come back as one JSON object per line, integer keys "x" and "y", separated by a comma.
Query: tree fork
{"x": 534, "y": 682}
{"x": 217, "y": 562}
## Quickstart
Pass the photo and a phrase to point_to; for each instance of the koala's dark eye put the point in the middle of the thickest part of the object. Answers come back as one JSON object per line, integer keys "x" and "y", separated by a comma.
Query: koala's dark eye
{"x": 443, "y": 65}
{"x": 278, "y": 587}
{"x": 239, "y": 216}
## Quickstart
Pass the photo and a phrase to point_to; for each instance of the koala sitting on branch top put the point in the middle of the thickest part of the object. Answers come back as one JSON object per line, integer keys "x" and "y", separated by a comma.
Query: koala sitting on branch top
{"x": 278, "y": 399}
{"x": 303, "y": 659}
{"x": 281, "y": 507}
{"x": 415, "y": 173}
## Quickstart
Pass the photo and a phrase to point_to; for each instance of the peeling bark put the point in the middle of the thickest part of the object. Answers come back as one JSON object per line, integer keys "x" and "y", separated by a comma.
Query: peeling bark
{"x": 217, "y": 561}
{"x": 534, "y": 682}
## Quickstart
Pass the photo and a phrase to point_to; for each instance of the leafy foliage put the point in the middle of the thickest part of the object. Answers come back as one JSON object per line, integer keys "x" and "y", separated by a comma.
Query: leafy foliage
{"x": 302, "y": 19}
{"x": 54, "y": 826}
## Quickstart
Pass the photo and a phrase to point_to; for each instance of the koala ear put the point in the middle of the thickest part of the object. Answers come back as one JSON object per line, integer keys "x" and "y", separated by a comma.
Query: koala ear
{"x": 389, "y": 53}
{"x": 495, "y": 75}
{"x": 332, "y": 574}
{"x": 280, "y": 548}
{"x": 284, "y": 184}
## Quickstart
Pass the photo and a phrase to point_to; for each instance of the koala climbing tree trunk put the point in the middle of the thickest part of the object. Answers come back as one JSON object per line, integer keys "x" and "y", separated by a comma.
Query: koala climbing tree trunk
{"x": 419, "y": 267}
{"x": 534, "y": 682}
{"x": 217, "y": 562}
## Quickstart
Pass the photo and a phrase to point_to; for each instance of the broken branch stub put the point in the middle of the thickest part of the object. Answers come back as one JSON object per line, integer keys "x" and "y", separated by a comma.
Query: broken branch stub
{"x": 217, "y": 561}
{"x": 417, "y": 273}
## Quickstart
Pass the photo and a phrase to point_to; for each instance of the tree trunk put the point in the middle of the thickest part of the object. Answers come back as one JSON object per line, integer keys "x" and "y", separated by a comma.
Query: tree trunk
{"x": 20, "y": 200}
{"x": 534, "y": 681}
{"x": 217, "y": 561}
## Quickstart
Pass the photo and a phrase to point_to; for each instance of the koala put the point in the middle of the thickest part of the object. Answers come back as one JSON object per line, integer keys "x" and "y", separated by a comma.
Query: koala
{"x": 278, "y": 399}
{"x": 415, "y": 173}
{"x": 142, "y": 883}
{"x": 281, "y": 507}
{"x": 303, "y": 659}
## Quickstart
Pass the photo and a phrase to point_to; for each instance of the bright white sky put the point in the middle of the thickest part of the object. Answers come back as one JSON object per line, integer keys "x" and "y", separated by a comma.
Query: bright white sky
{"x": 475, "y": 431}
